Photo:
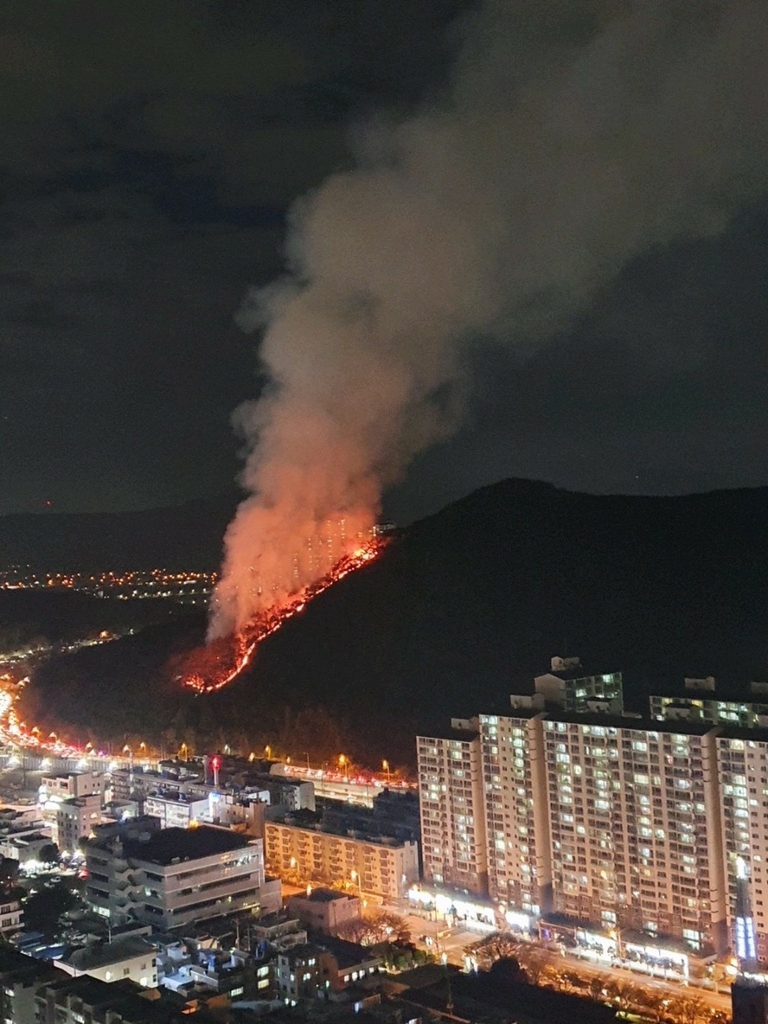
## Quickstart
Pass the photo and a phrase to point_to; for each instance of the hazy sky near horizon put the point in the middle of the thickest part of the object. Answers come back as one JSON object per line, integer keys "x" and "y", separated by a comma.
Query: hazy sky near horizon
{"x": 150, "y": 155}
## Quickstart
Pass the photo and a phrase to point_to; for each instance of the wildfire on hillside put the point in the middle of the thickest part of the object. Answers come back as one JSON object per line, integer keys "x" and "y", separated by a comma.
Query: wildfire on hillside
{"x": 220, "y": 662}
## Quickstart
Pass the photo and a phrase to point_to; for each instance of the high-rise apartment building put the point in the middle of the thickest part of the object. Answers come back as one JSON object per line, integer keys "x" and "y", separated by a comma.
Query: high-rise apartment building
{"x": 453, "y": 821}
{"x": 630, "y": 814}
{"x": 655, "y": 825}
{"x": 743, "y": 764}
{"x": 700, "y": 702}
{"x": 569, "y": 686}
{"x": 514, "y": 775}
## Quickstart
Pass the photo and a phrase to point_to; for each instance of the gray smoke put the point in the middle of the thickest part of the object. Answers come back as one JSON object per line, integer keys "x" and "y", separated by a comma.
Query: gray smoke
{"x": 564, "y": 147}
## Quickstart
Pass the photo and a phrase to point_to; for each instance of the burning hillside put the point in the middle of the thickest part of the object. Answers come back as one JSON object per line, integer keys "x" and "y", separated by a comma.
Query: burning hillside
{"x": 223, "y": 659}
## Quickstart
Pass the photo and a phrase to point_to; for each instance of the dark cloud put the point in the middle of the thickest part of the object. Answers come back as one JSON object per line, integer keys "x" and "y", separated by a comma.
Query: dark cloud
{"x": 150, "y": 152}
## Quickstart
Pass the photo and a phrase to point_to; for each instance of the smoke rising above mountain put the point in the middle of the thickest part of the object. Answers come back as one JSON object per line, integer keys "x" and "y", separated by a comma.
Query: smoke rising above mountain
{"x": 564, "y": 147}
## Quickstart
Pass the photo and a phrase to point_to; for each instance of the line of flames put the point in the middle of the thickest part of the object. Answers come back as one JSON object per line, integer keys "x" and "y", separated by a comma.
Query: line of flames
{"x": 272, "y": 619}
{"x": 15, "y": 732}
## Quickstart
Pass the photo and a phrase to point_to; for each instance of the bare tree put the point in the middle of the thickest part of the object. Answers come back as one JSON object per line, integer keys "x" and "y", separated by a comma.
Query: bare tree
{"x": 626, "y": 995}
{"x": 381, "y": 926}
{"x": 493, "y": 947}
{"x": 598, "y": 987}
{"x": 689, "y": 1010}
{"x": 537, "y": 964}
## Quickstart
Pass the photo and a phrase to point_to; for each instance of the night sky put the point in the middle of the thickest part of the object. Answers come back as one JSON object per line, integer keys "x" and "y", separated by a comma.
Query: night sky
{"x": 150, "y": 154}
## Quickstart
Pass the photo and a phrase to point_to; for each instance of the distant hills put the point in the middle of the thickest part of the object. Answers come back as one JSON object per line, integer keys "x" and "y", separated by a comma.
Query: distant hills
{"x": 187, "y": 536}
{"x": 459, "y": 610}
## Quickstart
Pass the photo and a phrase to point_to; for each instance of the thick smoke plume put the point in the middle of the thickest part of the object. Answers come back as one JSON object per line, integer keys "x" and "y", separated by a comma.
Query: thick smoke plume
{"x": 571, "y": 140}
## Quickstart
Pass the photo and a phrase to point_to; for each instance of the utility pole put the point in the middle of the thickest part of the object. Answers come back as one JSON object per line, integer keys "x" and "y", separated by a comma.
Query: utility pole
{"x": 449, "y": 1000}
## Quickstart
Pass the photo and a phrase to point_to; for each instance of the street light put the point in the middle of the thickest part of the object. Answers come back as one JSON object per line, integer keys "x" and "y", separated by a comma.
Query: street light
{"x": 356, "y": 878}
{"x": 183, "y": 750}
{"x": 385, "y": 767}
{"x": 268, "y": 752}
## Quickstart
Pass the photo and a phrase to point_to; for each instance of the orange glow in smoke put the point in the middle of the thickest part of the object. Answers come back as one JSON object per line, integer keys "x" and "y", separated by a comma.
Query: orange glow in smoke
{"x": 224, "y": 660}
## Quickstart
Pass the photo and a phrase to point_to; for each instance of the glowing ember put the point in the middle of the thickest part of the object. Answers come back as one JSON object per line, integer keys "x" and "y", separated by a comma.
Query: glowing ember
{"x": 222, "y": 661}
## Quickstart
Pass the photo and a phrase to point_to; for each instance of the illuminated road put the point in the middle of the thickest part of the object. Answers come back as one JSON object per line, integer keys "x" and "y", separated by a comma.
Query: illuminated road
{"x": 436, "y": 937}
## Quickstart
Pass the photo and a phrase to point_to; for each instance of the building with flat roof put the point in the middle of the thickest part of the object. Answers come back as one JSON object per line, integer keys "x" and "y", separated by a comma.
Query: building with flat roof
{"x": 698, "y": 700}
{"x": 743, "y": 769}
{"x": 178, "y": 810}
{"x": 316, "y": 969}
{"x": 132, "y": 957}
{"x": 453, "y": 822}
{"x": 515, "y": 775}
{"x": 569, "y": 686}
{"x": 325, "y": 910}
{"x": 74, "y": 820}
{"x": 171, "y": 877}
{"x": 366, "y": 864}
{"x": 630, "y": 810}
{"x": 618, "y": 824}
{"x": 20, "y": 978}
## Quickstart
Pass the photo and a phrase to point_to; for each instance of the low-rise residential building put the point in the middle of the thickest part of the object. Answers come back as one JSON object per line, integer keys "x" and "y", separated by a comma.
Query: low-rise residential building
{"x": 56, "y": 788}
{"x": 232, "y": 973}
{"x": 278, "y": 931}
{"x": 11, "y": 916}
{"x": 325, "y": 911}
{"x": 366, "y": 864}
{"x": 67, "y": 1000}
{"x": 312, "y": 970}
{"x": 75, "y": 819}
{"x": 171, "y": 877}
{"x": 65, "y": 785}
{"x": 132, "y": 957}
{"x": 177, "y": 811}
{"x": 25, "y": 847}
{"x": 21, "y": 977}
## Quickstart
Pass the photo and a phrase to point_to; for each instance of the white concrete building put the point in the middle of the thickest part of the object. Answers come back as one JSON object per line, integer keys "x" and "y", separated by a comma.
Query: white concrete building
{"x": 177, "y": 811}
{"x": 56, "y": 788}
{"x": 25, "y": 847}
{"x": 131, "y": 958}
{"x": 74, "y": 821}
{"x": 65, "y": 785}
{"x": 173, "y": 876}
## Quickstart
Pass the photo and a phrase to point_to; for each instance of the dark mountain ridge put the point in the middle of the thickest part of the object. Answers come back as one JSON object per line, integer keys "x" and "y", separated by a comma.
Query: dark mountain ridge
{"x": 466, "y": 606}
{"x": 187, "y": 536}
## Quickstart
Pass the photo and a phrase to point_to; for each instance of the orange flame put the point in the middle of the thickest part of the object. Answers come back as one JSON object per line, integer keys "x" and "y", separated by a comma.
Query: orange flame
{"x": 237, "y": 652}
